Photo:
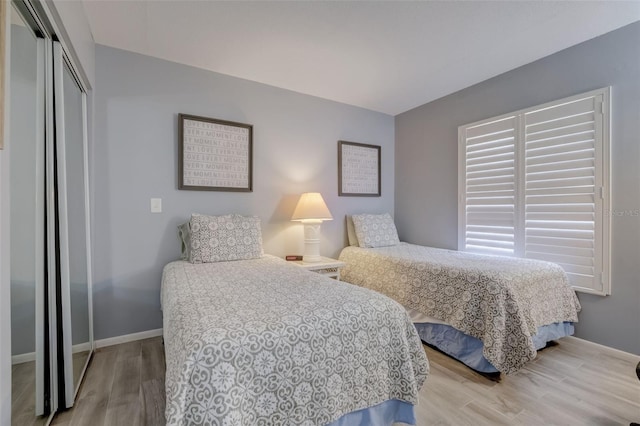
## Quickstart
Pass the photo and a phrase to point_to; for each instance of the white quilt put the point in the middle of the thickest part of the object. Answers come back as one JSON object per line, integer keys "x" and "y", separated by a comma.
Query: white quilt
{"x": 500, "y": 300}
{"x": 265, "y": 342}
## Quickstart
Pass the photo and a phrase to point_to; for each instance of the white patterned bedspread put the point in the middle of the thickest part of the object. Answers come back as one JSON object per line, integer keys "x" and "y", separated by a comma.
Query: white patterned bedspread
{"x": 263, "y": 342}
{"x": 500, "y": 300}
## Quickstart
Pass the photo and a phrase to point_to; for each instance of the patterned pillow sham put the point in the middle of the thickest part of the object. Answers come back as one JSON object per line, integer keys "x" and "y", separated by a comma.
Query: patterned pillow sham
{"x": 224, "y": 238}
{"x": 375, "y": 230}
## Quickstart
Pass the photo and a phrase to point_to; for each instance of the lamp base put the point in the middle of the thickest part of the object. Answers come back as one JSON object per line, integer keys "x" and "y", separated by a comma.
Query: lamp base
{"x": 311, "y": 241}
{"x": 311, "y": 259}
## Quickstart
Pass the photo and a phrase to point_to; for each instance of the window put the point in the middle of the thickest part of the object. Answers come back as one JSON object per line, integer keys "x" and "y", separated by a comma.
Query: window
{"x": 535, "y": 184}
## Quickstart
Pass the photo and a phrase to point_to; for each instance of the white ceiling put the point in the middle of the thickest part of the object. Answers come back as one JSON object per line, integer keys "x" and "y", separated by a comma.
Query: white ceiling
{"x": 385, "y": 56}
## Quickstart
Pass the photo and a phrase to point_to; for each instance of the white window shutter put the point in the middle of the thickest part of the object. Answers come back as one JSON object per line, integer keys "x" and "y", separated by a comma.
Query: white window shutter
{"x": 489, "y": 187}
{"x": 562, "y": 186}
{"x": 535, "y": 184}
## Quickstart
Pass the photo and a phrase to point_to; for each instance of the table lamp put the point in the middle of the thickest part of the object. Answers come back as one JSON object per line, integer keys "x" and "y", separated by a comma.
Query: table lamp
{"x": 311, "y": 211}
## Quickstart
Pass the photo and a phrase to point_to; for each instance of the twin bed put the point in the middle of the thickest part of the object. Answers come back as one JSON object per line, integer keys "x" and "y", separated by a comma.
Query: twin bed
{"x": 250, "y": 339}
{"x": 490, "y": 312}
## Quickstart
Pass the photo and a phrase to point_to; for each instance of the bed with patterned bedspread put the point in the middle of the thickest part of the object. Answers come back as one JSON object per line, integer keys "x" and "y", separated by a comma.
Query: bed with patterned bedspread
{"x": 502, "y": 301}
{"x": 261, "y": 341}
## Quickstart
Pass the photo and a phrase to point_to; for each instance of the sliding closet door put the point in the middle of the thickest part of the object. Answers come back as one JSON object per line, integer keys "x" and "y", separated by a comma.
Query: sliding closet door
{"x": 30, "y": 369}
{"x": 51, "y": 314}
{"x": 75, "y": 284}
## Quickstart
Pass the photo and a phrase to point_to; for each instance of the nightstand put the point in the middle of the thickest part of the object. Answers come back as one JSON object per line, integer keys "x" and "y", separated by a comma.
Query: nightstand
{"x": 327, "y": 267}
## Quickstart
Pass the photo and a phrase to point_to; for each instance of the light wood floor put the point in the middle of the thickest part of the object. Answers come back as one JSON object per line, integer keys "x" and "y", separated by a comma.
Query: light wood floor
{"x": 23, "y": 390}
{"x": 23, "y": 395}
{"x": 573, "y": 383}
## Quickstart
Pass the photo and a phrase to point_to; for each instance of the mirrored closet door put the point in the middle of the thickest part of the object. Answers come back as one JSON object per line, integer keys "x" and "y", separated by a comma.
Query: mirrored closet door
{"x": 51, "y": 304}
{"x": 73, "y": 196}
{"x": 29, "y": 338}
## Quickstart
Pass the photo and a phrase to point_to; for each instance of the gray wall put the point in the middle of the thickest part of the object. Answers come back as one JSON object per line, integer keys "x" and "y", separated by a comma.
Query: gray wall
{"x": 426, "y": 163}
{"x": 134, "y": 158}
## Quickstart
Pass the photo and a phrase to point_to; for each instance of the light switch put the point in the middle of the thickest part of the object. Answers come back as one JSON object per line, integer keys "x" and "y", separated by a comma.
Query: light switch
{"x": 156, "y": 205}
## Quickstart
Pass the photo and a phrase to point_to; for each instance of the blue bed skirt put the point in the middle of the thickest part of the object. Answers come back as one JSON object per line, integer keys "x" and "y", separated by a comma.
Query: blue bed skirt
{"x": 386, "y": 413}
{"x": 468, "y": 349}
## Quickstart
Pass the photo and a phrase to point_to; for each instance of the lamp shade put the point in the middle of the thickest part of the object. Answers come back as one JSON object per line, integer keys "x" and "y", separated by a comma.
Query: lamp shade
{"x": 311, "y": 206}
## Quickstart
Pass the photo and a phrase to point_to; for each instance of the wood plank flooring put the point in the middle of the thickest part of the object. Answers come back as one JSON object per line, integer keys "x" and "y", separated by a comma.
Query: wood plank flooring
{"x": 573, "y": 383}
{"x": 23, "y": 395}
{"x": 124, "y": 385}
{"x": 23, "y": 391}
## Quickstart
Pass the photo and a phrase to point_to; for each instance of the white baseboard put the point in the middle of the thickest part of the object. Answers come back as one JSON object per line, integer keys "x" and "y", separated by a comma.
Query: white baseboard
{"x": 625, "y": 354}
{"x": 31, "y": 356}
{"x": 22, "y": 358}
{"x": 128, "y": 338}
{"x": 82, "y": 347}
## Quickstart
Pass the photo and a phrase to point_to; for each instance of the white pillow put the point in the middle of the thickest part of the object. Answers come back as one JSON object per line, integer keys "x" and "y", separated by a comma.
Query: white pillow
{"x": 375, "y": 230}
{"x": 224, "y": 238}
{"x": 351, "y": 232}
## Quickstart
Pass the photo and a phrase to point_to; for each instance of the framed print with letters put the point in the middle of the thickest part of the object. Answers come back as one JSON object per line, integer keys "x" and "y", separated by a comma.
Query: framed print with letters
{"x": 358, "y": 169}
{"x": 214, "y": 155}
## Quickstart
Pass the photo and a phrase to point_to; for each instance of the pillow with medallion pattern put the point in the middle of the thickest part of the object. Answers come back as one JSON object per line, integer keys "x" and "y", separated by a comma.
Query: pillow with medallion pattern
{"x": 375, "y": 230}
{"x": 224, "y": 238}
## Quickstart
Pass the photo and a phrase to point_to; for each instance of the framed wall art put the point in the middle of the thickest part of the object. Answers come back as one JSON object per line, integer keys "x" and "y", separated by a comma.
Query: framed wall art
{"x": 214, "y": 155}
{"x": 358, "y": 169}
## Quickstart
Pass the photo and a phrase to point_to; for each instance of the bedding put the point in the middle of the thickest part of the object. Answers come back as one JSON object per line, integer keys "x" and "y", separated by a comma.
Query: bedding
{"x": 265, "y": 342}
{"x": 351, "y": 232}
{"x": 375, "y": 230}
{"x": 500, "y": 301}
{"x": 184, "y": 233}
{"x": 224, "y": 238}
{"x": 468, "y": 349}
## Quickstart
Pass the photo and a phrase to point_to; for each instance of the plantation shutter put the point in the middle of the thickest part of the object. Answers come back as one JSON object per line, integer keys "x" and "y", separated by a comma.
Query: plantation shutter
{"x": 535, "y": 184}
{"x": 563, "y": 185}
{"x": 489, "y": 187}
